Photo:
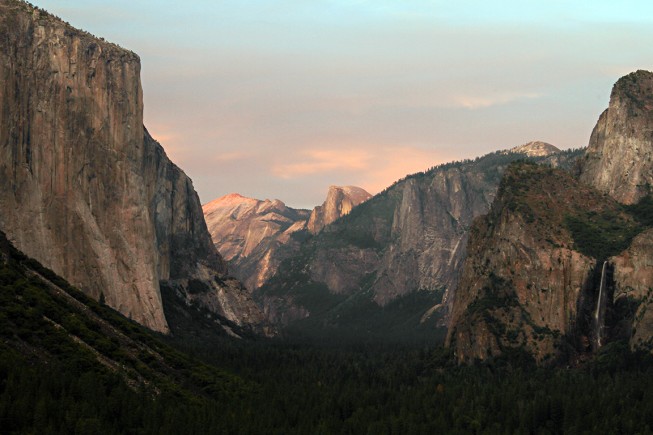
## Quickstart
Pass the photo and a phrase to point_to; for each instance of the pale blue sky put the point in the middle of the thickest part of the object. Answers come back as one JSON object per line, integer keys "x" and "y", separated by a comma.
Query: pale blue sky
{"x": 280, "y": 99}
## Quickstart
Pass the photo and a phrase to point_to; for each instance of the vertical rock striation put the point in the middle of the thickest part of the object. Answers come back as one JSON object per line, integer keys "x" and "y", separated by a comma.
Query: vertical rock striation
{"x": 254, "y": 236}
{"x": 409, "y": 239}
{"x": 619, "y": 158}
{"x": 339, "y": 202}
{"x": 84, "y": 189}
{"x": 563, "y": 263}
{"x": 522, "y": 279}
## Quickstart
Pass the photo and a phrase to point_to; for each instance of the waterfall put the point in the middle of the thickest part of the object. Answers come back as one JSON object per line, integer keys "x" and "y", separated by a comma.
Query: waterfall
{"x": 600, "y": 308}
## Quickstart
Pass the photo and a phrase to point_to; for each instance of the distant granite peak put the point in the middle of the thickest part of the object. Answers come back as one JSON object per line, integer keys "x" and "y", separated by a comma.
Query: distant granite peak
{"x": 254, "y": 236}
{"x": 339, "y": 202}
{"x": 250, "y": 233}
{"x": 230, "y": 201}
{"x": 535, "y": 149}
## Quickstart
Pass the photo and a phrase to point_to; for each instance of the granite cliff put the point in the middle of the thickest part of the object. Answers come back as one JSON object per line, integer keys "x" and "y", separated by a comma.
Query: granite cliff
{"x": 403, "y": 246}
{"x": 632, "y": 281}
{"x": 619, "y": 162}
{"x": 339, "y": 202}
{"x": 563, "y": 266}
{"x": 85, "y": 190}
{"x": 526, "y": 283}
{"x": 619, "y": 158}
{"x": 255, "y": 236}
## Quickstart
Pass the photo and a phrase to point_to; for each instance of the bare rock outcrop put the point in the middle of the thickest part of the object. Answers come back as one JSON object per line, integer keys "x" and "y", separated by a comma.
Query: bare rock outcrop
{"x": 340, "y": 201}
{"x": 584, "y": 272}
{"x": 557, "y": 269}
{"x": 619, "y": 162}
{"x": 254, "y": 236}
{"x": 633, "y": 280}
{"x": 84, "y": 189}
{"x": 408, "y": 240}
{"x": 535, "y": 149}
{"x": 523, "y": 278}
{"x": 619, "y": 158}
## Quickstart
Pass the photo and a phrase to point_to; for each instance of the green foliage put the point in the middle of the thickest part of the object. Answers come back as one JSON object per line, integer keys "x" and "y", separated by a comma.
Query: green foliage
{"x": 601, "y": 235}
{"x": 497, "y": 294}
{"x": 51, "y": 384}
{"x": 339, "y": 388}
{"x": 67, "y": 358}
{"x": 643, "y": 211}
{"x": 358, "y": 318}
{"x": 195, "y": 286}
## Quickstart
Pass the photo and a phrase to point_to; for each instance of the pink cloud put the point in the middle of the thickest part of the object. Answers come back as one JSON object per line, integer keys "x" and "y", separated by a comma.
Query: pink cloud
{"x": 369, "y": 166}
{"x": 480, "y": 101}
{"x": 315, "y": 161}
{"x": 393, "y": 163}
{"x": 232, "y": 156}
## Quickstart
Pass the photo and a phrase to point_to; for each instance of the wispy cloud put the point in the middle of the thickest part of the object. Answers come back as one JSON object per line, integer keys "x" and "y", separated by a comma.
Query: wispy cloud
{"x": 281, "y": 99}
{"x": 481, "y": 101}
{"x": 231, "y": 156}
{"x": 317, "y": 161}
{"x": 369, "y": 166}
{"x": 393, "y": 163}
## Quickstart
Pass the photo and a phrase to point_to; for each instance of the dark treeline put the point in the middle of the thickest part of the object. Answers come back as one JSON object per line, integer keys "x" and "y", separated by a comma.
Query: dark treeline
{"x": 64, "y": 370}
{"x": 306, "y": 389}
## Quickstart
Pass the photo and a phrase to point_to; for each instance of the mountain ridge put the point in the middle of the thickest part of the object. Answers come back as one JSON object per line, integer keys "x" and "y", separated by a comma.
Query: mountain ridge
{"x": 255, "y": 236}
{"x": 535, "y": 149}
{"x": 520, "y": 255}
{"x": 409, "y": 238}
{"x": 85, "y": 189}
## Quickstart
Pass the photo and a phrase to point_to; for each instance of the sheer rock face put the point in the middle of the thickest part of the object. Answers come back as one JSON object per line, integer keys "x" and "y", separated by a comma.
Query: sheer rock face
{"x": 523, "y": 284}
{"x": 340, "y": 201}
{"x": 419, "y": 231}
{"x": 522, "y": 280}
{"x": 410, "y": 237}
{"x": 619, "y": 158}
{"x": 84, "y": 189}
{"x": 633, "y": 279}
{"x": 619, "y": 162}
{"x": 254, "y": 236}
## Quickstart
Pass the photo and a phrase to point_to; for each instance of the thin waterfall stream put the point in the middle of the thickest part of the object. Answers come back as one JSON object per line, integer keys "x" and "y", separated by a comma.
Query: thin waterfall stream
{"x": 600, "y": 308}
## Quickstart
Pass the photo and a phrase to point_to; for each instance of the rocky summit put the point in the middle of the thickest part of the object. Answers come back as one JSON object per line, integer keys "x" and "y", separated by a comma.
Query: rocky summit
{"x": 403, "y": 247}
{"x": 255, "y": 236}
{"x": 535, "y": 149}
{"x": 339, "y": 202}
{"x": 561, "y": 266}
{"x": 619, "y": 158}
{"x": 84, "y": 188}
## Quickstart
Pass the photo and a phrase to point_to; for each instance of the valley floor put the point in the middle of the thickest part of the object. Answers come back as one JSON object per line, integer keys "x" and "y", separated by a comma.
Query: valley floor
{"x": 376, "y": 389}
{"x": 365, "y": 389}
{"x": 71, "y": 365}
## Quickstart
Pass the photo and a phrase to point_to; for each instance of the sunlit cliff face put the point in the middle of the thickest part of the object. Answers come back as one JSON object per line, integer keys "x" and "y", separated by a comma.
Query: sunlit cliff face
{"x": 284, "y": 98}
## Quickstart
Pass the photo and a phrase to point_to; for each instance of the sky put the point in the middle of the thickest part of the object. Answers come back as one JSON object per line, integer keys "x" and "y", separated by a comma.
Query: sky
{"x": 283, "y": 98}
